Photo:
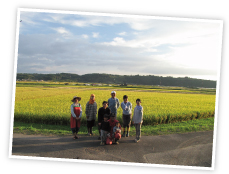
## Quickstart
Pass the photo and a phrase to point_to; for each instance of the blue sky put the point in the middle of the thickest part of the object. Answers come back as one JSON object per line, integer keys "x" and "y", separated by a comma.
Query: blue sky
{"x": 93, "y": 43}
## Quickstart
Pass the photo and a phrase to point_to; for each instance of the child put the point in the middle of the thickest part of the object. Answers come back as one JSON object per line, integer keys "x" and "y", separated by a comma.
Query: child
{"x": 91, "y": 111}
{"x": 105, "y": 129}
{"x": 113, "y": 122}
{"x": 138, "y": 119}
{"x": 76, "y": 113}
{"x": 126, "y": 115}
{"x": 102, "y": 111}
{"x": 116, "y": 132}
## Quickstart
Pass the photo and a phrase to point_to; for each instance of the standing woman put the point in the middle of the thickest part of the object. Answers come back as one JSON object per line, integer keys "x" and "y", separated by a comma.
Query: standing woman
{"x": 91, "y": 111}
{"x": 76, "y": 113}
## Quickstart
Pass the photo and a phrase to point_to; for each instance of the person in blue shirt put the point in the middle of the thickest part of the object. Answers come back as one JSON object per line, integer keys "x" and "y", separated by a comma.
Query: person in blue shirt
{"x": 113, "y": 103}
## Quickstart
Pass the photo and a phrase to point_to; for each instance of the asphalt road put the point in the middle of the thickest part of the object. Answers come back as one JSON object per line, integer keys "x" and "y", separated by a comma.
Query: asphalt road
{"x": 188, "y": 149}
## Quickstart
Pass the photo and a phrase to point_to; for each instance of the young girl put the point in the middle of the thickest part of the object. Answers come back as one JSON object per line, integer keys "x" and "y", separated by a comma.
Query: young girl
{"x": 91, "y": 111}
{"x": 76, "y": 113}
{"x": 138, "y": 119}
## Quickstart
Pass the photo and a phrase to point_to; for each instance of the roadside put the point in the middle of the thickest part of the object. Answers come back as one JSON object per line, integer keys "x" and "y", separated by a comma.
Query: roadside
{"x": 206, "y": 124}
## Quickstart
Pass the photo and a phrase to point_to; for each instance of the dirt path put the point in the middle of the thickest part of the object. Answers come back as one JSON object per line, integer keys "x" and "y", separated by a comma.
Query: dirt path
{"x": 189, "y": 149}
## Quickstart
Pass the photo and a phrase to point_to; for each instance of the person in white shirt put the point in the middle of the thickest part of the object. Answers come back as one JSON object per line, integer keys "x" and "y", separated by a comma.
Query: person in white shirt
{"x": 126, "y": 115}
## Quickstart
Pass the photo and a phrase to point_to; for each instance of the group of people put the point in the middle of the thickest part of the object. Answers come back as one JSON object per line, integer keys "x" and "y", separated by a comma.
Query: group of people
{"x": 109, "y": 127}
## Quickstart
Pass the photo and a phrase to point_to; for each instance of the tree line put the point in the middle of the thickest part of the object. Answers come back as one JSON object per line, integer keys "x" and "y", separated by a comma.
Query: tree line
{"x": 120, "y": 79}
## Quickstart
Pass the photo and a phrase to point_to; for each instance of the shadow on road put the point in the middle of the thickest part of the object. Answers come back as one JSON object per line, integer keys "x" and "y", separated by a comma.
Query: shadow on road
{"x": 189, "y": 149}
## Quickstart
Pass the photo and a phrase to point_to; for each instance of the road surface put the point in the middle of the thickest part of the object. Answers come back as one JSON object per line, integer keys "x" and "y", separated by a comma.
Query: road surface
{"x": 188, "y": 149}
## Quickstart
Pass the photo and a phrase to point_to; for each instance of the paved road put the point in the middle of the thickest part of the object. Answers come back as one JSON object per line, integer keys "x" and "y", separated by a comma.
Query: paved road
{"x": 189, "y": 149}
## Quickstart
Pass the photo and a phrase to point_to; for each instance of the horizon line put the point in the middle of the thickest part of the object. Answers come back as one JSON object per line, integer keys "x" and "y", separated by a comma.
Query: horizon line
{"x": 121, "y": 75}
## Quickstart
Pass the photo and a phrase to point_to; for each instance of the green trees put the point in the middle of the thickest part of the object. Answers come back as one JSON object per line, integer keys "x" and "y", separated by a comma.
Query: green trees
{"x": 121, "y": 79}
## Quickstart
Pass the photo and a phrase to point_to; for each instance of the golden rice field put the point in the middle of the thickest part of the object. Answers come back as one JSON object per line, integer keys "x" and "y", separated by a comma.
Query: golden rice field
{"x": 51, "y": 105}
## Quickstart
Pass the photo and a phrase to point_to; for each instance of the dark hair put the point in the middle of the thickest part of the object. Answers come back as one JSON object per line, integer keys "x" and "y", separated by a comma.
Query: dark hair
{"x": 112, "y": 115}
{"x": 117, "y": 123}
{"x": 105, "y": 102}
{"x": 125, "y": 96}
{"x": 106, "y": 115}
{"x": 138, "y": 100}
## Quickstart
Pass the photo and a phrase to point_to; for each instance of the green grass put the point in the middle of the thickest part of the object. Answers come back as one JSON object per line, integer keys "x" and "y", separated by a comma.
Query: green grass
{"x": 205, "y": 124}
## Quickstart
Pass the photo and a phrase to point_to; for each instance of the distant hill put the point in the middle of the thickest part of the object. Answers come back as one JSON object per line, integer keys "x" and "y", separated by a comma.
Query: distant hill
{"x": 120, "y": 79}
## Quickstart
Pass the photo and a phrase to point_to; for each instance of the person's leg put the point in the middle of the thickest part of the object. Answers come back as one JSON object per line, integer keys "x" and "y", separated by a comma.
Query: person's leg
{"x": 88, "y": 128}
{"x": 88, "y": 131}
{"x": 74, "y": 132}
{"x": 102, "y": 137}
{"x": 138, "y": 132}
{"x": 124, "y": 126}
{"x": 91, "y": 126}
{"x": 127, "y": 131}
{"x": 123, "y": 130}
{"x": 77, "y": 130}
{"x": 128, "y": 125}
{"x": 91, "y": 130}
{"x": 135, "y": 125}
{"x": 99, "y": 134}
{"x": 140, "y": 125}
{"x": 116, "y": 141}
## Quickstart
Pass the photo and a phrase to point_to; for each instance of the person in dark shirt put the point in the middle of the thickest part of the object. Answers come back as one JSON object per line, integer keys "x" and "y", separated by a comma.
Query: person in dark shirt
{"x": 102, "y": 111}
{"x": 105, "y": 129}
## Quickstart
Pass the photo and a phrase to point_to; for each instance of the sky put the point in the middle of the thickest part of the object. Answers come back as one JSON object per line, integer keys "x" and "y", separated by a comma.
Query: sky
{"x": 83, "y": 43}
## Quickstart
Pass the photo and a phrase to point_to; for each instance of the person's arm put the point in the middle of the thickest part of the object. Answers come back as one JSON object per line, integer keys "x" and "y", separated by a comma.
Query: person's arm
{"x": 122, "y": 106}
{"x": 81, "y": 111}
{"x": 141, "y": 112}
{"x": 87, "y": 109}
{"x": 108, "y": 111}
{"x": 118, "y": 104}
{"x": 99, "y": 116}
{"x": 133, "y": 116}
{"x": 95, "y": 111}
{"x": 130, "y": 106}
{"x": 72, "y": 111}
{"x": 108, "y": 103}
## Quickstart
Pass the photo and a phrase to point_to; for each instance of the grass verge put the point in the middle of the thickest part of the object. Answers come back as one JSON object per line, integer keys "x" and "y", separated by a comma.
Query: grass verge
{"x": 205, "y": 124}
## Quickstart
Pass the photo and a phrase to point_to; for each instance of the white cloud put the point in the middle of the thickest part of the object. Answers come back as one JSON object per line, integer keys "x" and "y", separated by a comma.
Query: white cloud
{"x": 85, "y": 36}
{"x": 62, "y": 30}
{"x": 122, "y": 33}
{"x": 95, "y": 35}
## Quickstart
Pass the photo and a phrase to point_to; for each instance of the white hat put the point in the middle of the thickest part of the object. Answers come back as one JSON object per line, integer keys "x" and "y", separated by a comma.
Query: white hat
{"x": 113, "y": 92}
